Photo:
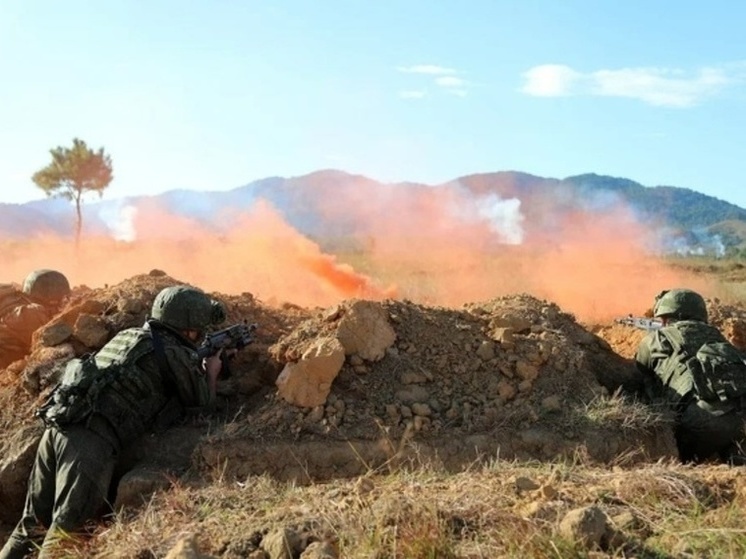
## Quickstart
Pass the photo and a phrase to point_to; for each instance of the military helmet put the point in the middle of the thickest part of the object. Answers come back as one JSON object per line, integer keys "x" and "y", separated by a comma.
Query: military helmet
{"x": 683, "y": 304}
{"x": 47, "y": 286}
{"x": 186, "y": 308}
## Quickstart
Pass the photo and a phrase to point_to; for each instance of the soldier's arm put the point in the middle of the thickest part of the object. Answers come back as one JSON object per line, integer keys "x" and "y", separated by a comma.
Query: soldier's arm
{"x": 24, "y": 320}
{"x": 189, "y": 378}
{"x": 651, "y": 352}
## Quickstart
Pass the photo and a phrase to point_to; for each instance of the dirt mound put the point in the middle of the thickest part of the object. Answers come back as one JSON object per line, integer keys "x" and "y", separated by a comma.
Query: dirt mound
{"x": 513, "y": 376}
{"x": 334, "y": 392}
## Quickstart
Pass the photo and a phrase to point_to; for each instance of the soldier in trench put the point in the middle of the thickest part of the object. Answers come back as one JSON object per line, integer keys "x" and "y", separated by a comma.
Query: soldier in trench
{"x": 689, "y": 364}
{"x": 23, "y": 311}
{"x": 147, "y": 372}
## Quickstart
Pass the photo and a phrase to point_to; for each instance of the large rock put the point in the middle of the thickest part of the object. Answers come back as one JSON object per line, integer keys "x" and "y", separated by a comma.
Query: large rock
{"x": 91, "y": 330}
{"x": 53, "y": 334}
{"x": 307, "y": 382}
{"x": 364, "y": 330}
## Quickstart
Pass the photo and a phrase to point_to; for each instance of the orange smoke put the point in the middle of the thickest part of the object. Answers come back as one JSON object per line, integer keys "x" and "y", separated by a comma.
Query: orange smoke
{"x": 443, "y": 246}
{"x": 260, "y": 254}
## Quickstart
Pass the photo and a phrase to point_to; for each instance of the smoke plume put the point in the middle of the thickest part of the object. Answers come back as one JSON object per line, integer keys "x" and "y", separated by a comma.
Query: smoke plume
{"x": 444, "y": 246}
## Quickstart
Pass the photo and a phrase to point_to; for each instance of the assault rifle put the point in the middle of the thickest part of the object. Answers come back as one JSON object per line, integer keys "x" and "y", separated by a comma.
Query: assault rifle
{"x": 237, "y": 336}
{"x": 641, "y": 322}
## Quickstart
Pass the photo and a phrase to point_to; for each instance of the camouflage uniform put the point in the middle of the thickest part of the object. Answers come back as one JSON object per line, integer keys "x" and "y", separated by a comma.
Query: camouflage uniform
{"x": 23, "y": 311}
{"x": 704, "y": 428}
{"x": 74, "y": 463}
{"x": 20, "y": 317}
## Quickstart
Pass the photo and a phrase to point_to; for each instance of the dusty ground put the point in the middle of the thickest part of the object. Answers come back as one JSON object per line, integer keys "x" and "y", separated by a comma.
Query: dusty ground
{"x": 514, "y": 377}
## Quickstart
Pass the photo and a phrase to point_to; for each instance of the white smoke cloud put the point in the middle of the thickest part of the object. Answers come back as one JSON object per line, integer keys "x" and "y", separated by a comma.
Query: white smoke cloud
{"x": 504, "y": 217}
{"x": 120, "y": 220}
{"x": 694, "y": 243}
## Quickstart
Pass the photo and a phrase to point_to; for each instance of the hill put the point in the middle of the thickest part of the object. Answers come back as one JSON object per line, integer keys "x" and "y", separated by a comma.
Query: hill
{"x": 327, "y": 205}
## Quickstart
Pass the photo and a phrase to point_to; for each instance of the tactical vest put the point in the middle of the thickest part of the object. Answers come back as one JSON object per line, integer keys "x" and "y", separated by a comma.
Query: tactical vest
{"x": 135, "y": 396}
{"x": 703, "y": 363}
{"x": 113, "y": 384}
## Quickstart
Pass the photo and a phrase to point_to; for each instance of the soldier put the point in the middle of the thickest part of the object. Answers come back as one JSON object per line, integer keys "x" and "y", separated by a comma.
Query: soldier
{"x": 145, "y": 371}
{"x": 690, "y": 365}
{"x": 23, "y": 311}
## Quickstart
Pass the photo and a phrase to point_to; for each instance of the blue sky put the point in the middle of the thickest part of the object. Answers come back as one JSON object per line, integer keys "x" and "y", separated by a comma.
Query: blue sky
{"x": 213, "y": 95}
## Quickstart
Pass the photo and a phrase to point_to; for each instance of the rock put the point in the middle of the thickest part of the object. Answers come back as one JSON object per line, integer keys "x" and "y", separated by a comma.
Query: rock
{"x": 92, "y": 331}
{"x": 412, "y": 377}
{"x": 186, "y": 548}
{"x": 549, "y": 492}
{"x": 54, "y": 334}
{"x": 282, "y": 543}
{"x": 525, "y": 484}
{"x": 588, "y": 525}
{"x": 413, "y": 394}
{"x": 421, "y": 409}
{"x": 365, "y": 330}
{"x": 516, "y": 323}
{"x": 504, "y": 336}
{"x": 136, "y": 486}
{"x": 130, "y": 306}
{"x": 552, "y": 403}
{"x": 307, "y": 383}
{"x": 526, "y": 370}
{"x": 506, "y": 390}
{"x": 486, "y": 351}
{"x": 320, "y": 550}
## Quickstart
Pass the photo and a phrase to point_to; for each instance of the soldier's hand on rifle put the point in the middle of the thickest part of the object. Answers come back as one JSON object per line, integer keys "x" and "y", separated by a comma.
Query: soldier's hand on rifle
{"x": 213, "y": 365}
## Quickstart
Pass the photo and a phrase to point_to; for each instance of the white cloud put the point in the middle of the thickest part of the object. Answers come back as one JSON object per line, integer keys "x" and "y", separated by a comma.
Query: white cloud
{"x": 656, "y": 86}
{"x": 429, "y": 69}
{"x": 661, "y": 87}
{"x": 412, "y": 94}
{"x": 550, "y": 80}
{"x": 443, "y": 78}
{"x": 450, "y": 81}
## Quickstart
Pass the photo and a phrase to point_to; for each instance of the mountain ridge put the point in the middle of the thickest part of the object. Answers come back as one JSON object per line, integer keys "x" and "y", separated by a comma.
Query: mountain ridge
{"x": 300, "y": 198}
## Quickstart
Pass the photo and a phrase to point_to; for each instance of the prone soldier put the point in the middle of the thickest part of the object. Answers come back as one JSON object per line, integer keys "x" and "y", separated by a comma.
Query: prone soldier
{"x": 23, "y": 311}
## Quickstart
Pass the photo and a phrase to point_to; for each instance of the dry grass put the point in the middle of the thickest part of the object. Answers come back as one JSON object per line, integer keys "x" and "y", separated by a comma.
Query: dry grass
{"x": 618, "y": 410}
{"x": 504, "y": 509}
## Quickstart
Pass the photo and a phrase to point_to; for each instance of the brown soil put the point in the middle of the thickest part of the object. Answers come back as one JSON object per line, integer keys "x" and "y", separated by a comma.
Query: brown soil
{"x": 514, "y": 377}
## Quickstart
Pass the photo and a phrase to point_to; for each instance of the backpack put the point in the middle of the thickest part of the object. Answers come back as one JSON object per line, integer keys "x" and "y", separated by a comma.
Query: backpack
{"x": 713, "y": 367}
{"x": 76, "y": 396}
